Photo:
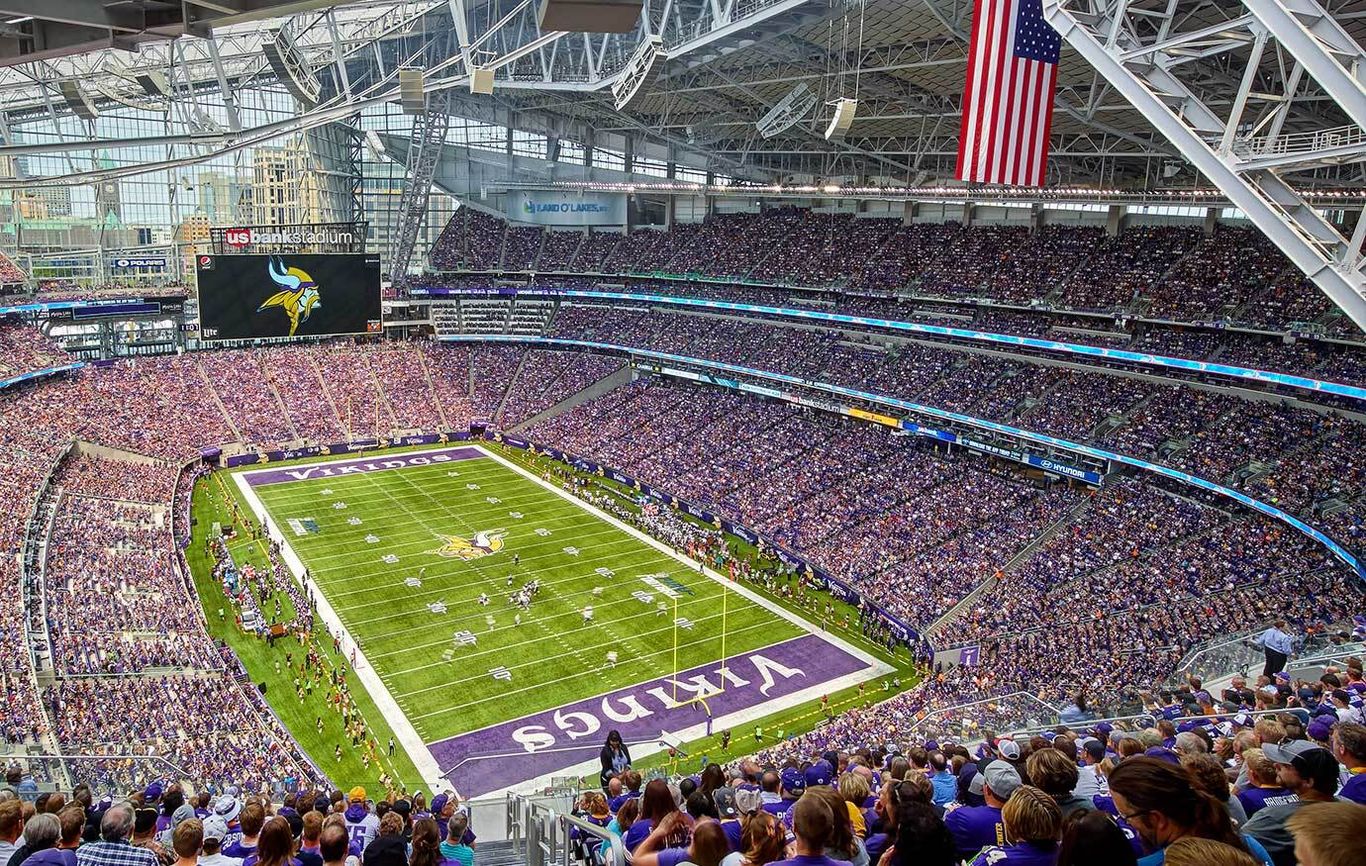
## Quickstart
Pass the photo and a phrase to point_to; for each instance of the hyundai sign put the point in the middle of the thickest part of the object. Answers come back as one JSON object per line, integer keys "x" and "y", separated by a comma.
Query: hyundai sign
{"x": 549, "y": 208}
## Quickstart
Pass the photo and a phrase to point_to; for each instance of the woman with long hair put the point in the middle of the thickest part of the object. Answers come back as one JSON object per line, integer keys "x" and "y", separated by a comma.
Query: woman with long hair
{"x": 615, "y": 757}
{"x": 1159, "y": 800}
{"x": 656, "y": 803}
{"x": 843, "y": 844}
{"x": 426, "y": 844}
{"x": 713, "y": 777}
{"x": 708, "y": 846}
{"x": 762, "y": 840}
{"x": 894, "y": 795}
{"x": 275, "y": 844}
{"x": 921, "y": 838}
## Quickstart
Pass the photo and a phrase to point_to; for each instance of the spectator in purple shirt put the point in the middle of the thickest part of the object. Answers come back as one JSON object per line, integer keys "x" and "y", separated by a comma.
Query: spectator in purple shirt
{"x": 275, "y": 846}
{"x": 1263, "y": 790}
{"x": 1349, "y": 747}
{"x": 707, "y": 848}
{"x": 976, "y": 827}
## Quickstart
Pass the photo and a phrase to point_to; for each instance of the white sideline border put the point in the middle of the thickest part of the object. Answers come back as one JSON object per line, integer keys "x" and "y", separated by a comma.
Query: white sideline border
{"x": 408, "y": 737}
{"x": 398, "y": 720}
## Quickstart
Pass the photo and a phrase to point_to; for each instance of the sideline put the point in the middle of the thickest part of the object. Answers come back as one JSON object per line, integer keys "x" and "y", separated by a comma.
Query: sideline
{"x": 403, "y": 729}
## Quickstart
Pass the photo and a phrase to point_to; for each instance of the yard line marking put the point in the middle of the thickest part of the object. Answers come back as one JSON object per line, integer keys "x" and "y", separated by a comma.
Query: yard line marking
{"x": 425, "y": 539}
{"x": 442, "y": 591}
{"x": 573, "y": 676}
{"x": 668, "y": 628}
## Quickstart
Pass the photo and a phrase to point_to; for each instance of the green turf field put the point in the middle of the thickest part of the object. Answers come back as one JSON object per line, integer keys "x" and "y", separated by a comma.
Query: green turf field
{"x": 374, "y": 542}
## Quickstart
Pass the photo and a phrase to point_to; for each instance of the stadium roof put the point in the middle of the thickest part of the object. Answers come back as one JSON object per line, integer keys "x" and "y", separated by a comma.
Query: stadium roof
{"x": 727, "y": 65}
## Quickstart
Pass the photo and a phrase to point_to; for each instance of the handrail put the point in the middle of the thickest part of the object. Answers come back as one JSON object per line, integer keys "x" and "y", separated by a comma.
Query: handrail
{"x": 1090, "y": 723}
{"x": 616, "y": 850}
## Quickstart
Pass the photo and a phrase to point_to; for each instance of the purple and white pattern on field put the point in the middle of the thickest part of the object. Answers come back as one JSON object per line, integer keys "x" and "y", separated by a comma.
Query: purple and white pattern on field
{"x": 507, "y": 754}
{"x": 360, "y": 466}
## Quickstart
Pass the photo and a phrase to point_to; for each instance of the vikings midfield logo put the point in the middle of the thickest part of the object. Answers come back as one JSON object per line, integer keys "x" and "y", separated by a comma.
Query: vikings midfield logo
{"x": 485, "y": 543}
{"x": 299, "y": 297}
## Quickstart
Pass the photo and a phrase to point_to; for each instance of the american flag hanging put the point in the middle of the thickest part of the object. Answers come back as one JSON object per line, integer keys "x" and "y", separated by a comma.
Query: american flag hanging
{"x": 1008, "y": 100}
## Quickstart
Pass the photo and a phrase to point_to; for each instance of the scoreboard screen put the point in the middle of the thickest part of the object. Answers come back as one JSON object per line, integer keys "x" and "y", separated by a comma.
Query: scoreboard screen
{"x": 248, "y": 297}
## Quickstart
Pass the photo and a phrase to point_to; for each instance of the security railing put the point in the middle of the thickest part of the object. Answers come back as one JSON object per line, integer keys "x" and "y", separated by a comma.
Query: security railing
{"x": 541, "y": 835}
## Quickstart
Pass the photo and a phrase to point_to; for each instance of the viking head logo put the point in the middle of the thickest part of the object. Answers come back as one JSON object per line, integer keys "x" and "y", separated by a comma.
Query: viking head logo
{"x": 485, "y": 543}
{"x": 299, "y": 296}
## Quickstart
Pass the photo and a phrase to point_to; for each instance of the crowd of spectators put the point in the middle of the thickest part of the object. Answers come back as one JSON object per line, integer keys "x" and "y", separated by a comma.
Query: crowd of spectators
{"x": 1171, "y": 272}
{"x": 10, "y": 272}
{"x": 920, "y": 531}
{"x": 25, "y": 350}
{"x": 898, "y": 519}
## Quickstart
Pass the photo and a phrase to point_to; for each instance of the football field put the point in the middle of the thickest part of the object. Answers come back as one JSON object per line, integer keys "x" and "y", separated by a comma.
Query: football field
{"x": 419, "y": 559}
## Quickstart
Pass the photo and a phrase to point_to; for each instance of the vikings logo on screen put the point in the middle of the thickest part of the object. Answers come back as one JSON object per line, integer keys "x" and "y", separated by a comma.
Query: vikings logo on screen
{"x": 299, "y": 296}
{"x": 485, "y": 543}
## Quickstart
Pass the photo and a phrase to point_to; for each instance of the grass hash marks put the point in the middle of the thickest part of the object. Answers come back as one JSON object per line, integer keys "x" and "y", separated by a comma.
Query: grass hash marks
{"x": 403, "y": 556}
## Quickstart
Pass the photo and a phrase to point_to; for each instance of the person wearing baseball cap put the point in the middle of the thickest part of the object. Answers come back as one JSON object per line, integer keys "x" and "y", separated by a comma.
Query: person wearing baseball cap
{"x": 1090, "y": 782}
{"x": 976, "y": 827}
{"x": 818, "y": 774}
{"x": 1305, "y": 769}
{"x": 215, "y": 831}
{"x": 793, "y": 785}
{"x": 361, "y": 823}
{"x": 729, "y": 815}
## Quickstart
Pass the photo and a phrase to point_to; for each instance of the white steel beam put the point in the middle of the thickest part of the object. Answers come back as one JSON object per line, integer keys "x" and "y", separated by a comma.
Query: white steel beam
{"x": 1312, "y": 37}
{"x": 1313, "y": 244}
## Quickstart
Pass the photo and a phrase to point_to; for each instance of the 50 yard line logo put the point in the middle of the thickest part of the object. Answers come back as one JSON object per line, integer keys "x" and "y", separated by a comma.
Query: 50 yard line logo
{"x": 299, "y": 296}
{"x": 484, "y": 543}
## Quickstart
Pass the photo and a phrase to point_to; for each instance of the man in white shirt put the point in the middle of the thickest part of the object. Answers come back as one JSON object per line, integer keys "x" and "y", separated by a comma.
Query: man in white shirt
{"x": 1089, "y": 780}
{"x": 1276, "y": 644}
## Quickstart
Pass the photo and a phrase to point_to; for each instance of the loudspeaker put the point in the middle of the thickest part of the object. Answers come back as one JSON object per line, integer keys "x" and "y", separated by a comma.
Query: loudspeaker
{"x": 77, "y": 100}
{"x": 842, "y": 119}
{"x": 481, "y": 80}
{"x": 589, "y": 16}
{"x": 410, "y": 94}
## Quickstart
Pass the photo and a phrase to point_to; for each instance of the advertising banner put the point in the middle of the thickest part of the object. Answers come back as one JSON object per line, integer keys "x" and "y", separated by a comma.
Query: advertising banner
{"x": 250, "y": 297}
{"x": 1064, "y": 469}
{"x": 559, "y": 208}
{"x": 875, "y": 417}
{"x": 151, "y": 263}
{"x": 257, "y": 457}
{"x": 995, "y": 450}
{"x": 289, "y": 239}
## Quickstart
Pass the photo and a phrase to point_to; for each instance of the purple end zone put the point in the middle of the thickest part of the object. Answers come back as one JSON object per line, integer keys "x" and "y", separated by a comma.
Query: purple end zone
{"x": 523, "y": 749}
{"x": 361, "y": 465}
